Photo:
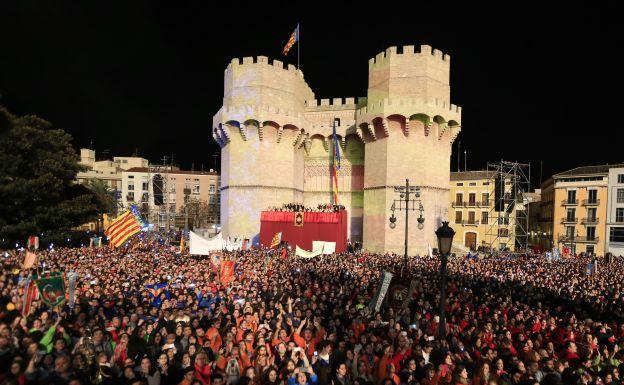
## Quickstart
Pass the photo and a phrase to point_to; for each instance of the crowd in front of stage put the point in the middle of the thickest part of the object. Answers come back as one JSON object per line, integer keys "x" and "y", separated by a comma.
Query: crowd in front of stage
{"x": 308, "y": 322}
{"x": 320, "y": 208}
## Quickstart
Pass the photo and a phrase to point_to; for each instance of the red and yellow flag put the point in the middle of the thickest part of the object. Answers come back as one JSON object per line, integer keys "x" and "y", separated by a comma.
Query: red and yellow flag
{"x": 122, "y": 228}
{"x": 277, "y": 239}
{"x": 293, "y": 39}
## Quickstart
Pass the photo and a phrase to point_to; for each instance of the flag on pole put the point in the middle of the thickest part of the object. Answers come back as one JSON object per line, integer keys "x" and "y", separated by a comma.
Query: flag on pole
{"x": 30, "y": 295}
{"x": 52, "y": 290}
{"x": 277, "y": 239}
{"x": 335, "y": 164}
{"x": 29, "y": 260}
{"x": 215, "y": 259}
{"x": 123, "y": 227}
{"x": 71, "y": 282}
{"x": 33, "y": 242}
{"x": 293, "y": 39}
{"x": 227, "y": 272}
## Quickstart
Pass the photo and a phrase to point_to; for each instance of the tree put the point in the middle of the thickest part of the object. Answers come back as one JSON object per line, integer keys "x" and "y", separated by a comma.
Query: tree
{"x": 105, "y": 197}
{"x": 198, "y": 213}
{"x": 104, "y": 194}
{"x": 38, "y": 193}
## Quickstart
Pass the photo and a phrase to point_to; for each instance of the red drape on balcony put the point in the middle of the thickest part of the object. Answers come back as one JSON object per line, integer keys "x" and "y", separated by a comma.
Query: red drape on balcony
{"x": 329, "y": 227}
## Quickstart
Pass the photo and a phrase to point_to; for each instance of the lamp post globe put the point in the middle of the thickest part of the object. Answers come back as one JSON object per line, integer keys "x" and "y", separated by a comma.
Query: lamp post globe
{"x": 445, "y": 236}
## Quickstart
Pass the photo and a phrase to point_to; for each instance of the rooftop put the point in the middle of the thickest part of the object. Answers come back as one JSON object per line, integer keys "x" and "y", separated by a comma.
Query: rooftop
{"x": 174, "y": 172}
{"x": 472, "y": 175}
{"x": 589, "y": 170}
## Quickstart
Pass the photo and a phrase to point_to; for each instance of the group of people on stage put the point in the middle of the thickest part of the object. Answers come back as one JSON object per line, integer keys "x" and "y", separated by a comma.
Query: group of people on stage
{"x": 148, "y": 315}
{"x": 297, "y": 207}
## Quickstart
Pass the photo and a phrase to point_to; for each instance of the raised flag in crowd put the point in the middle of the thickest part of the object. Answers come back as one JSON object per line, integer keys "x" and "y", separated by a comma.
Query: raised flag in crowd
{"x": 277, "y": 239}
{"x": 123, "y": 227}
{"x": 52, "y": 289}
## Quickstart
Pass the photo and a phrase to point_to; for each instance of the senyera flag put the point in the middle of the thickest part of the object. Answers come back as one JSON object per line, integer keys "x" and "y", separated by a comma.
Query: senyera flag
{"x": 277, "y": 239}
{"x": 123, "y": 227}
{"x": 294, "y": 37}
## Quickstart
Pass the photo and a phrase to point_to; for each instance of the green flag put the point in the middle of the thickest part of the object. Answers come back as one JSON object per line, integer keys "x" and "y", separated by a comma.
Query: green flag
{"x": 52, "y": 290}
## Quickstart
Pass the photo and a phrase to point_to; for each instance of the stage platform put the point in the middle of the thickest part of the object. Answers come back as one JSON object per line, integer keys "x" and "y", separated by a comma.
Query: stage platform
{"x": 317, "y": 226}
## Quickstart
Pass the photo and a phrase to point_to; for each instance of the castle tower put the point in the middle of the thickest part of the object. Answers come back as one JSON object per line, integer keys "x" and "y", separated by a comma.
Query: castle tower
{"x": 259, "y": 130}
{"x": 408, "y": 127}
{"x": 276, "y": 143}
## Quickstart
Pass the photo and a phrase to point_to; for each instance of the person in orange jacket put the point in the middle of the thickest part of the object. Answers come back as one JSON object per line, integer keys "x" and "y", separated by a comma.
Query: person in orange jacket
{"x": 308, "y": 341}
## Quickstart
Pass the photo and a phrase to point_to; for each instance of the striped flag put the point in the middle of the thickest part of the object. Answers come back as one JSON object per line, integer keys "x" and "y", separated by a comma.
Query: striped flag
{"x": 276, "y": 240}
{"x": 30, "y": 294}
{"x": 335, "y": 164}
{"x": 122, "y": 228}
{"x": 293, "y": 39}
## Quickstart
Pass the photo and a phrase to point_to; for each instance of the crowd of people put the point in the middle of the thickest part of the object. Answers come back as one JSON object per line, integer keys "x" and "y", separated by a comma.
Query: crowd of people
{"x": 320, "y": 208}
{"x": 509, "y": 320}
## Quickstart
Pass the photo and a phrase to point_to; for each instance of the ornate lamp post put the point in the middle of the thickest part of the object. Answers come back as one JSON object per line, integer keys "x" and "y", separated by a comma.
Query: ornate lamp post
{"x": 405, "y": 192}
{"x": 445, "y": 236}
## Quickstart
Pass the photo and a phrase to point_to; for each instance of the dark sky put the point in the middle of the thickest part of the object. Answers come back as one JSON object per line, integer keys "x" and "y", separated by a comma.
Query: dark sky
{"x": 535, "y": 84}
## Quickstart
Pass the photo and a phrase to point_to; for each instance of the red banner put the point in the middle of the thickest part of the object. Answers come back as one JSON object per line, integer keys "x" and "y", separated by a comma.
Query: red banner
{"x": 329, "y": 227}
{"x": 308, "y": 217}
{"x": 227, "y": 272}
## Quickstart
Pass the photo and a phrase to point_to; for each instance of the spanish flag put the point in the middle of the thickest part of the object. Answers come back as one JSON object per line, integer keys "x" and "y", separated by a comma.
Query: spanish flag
{"x": 293, "y": 39}
{"x": 122, "y": 228}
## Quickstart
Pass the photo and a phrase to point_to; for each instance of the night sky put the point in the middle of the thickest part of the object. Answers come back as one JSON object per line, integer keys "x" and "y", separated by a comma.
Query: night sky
{"x": 535, "y": 84}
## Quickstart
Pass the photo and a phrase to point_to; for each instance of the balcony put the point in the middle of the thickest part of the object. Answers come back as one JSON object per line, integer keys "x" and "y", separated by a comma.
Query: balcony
{"x": 568, "y": 220}
{"x": 589, "y": 221}
{"x": 470, "y": 223}
{"x": 579, "y": 239}
{"x": 569, "y": 202}
{"x": 591, "y": 202}
{"x": 470, "y": 204}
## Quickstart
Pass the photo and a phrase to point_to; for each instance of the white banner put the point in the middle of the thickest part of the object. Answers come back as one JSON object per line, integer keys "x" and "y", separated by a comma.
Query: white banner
{"x": 199, "y": 245}
{"x": 237, "y": 244}
{"x": 327, "y": 248}
{"x": 308, "y": 254}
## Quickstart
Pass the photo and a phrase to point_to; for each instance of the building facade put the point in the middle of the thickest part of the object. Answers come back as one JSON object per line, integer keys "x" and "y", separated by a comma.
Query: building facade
{"x": 276, "y": 144}
{"x": 580, "y": 209}
{"x": 106, "y": 170}
{"x": 615, "y": 212}
{"x": 477, "y": 223}
{"x": 160, "y": 192}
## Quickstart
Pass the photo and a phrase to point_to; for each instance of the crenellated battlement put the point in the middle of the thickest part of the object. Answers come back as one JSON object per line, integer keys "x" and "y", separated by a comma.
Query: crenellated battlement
{"x": 334, "y": 104}
{"x": 262, "y": 61}
{"x": 424, "y": 51}
{"x": 416, "y": 104}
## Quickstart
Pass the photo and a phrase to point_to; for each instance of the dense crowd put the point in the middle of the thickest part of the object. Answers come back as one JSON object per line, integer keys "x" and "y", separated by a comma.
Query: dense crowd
{"x": 320, "y": 208}
{"x": 510, "y": 320}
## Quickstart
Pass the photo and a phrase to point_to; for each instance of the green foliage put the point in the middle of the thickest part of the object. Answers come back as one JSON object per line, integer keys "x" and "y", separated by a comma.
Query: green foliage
{"x": 105, "y": 196}
{"x": 38, "y": 193}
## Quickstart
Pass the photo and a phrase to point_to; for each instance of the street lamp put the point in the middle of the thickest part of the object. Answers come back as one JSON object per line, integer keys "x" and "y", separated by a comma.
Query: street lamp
{"x": 405, "y": 192}
{"x": 445, "y": 236}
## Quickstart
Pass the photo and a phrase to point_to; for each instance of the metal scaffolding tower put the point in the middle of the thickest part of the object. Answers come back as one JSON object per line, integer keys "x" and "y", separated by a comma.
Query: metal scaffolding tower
{"x": 508, "y": 219}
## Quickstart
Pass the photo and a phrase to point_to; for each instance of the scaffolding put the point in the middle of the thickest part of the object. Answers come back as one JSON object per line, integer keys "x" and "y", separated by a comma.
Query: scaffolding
{"x": 508, "y": 218}
{"x": 159, "y": 215}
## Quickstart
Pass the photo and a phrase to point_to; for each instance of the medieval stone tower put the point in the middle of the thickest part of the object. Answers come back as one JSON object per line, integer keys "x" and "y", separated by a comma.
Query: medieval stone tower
{"x": 275, "y": 143}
